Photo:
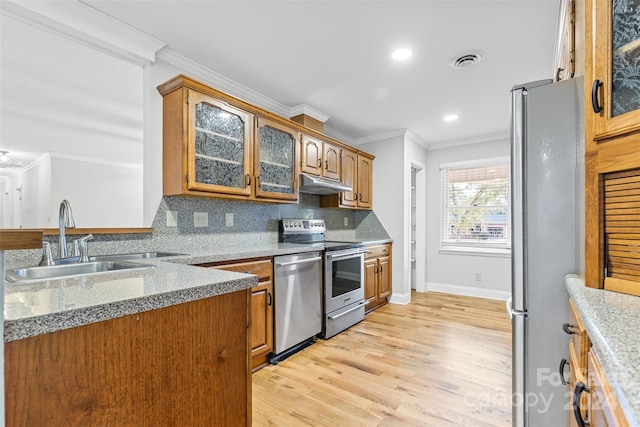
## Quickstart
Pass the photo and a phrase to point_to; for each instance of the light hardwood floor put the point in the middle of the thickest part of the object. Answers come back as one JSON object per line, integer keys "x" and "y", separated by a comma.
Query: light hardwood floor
{"x": 443, "y": 360}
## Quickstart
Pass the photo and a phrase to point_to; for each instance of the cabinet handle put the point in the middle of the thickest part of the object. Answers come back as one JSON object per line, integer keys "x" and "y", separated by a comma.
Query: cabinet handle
{"x": 380, "y": 269}
{"x": 248, "y": 180}
{"x": 269, "y": 299}
{"x": 360, "y": 196}
{"x": 375, "y": 270}
{"x": 326, "y": 164}
{"x": 595, "y": 103}
{"x": 319, "y": 163}
{"x": 580, "y": 387}
{"x": 563, "y": 364}
{"x": 567, "y": 329}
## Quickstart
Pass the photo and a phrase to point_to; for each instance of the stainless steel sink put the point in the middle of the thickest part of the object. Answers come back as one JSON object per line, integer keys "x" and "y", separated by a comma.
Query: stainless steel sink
{"x": 30, "y": 274}
{"x": 135, "y": 255}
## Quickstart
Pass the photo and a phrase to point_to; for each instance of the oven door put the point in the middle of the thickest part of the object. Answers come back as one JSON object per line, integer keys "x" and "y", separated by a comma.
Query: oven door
{"x": 343, "y": 279}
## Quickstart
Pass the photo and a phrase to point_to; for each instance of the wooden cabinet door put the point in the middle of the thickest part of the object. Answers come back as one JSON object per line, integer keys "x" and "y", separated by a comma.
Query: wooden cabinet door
{"x": 384, "y": 277}
{"x": 370, "y": 279}
{"x": 218, "y": 146}
{"x": 311, "y": 155}
{"x": 274, "y": 155}
{"x": 365, "y": 182}
{"x": 331, "y": 161}
{"x": 604, "y": 407}
{"x": 349, "y": 177}
{"x": 615, "y": 57}
{"x": 261, "y": 322}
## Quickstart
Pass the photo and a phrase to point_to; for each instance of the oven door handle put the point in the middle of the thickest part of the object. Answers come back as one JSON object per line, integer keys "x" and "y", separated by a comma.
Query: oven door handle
{"x": 301, "y": 261}
{"x": 345, "y": 256}
{"x": 347, "y": 312}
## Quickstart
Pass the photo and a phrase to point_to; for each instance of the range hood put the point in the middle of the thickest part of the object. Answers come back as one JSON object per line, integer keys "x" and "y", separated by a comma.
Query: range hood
{"x": 316, "y": 185}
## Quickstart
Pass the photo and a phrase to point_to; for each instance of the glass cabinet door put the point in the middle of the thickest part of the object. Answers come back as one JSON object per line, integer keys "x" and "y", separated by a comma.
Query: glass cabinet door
{"x": 219, "y": 141}
{"x": 275, "y": 160}
{"x": 616, "y": 85}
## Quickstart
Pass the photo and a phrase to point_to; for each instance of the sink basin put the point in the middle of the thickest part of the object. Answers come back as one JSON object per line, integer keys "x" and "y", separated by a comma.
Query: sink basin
{"x": 30, "y": 274}
{"x": 136, "y": 255}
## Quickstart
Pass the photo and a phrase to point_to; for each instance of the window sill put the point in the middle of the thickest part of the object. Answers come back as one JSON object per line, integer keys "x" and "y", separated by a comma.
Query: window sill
{"x": 469, "y": 251}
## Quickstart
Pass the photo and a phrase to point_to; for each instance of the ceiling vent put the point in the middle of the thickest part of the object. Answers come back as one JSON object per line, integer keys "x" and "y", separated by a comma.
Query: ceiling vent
{"x": 467, "y": 59}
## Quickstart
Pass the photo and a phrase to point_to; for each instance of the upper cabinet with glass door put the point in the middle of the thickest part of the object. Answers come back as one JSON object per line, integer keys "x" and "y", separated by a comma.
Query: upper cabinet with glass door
{"x": 219, "y": 138}
{"x": 275, "y": 160}
{"x": 616, "y": 70}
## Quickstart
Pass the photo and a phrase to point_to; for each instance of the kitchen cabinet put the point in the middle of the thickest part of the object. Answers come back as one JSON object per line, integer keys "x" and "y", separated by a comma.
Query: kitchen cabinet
{"x": 612, "y": 136}
{"x": 320, "y": 158}
{"x": 215, "y": 145}
{"x": 616, "y": 82}
{"x": 261, "y": 331}
{"x": 186, "y": 364}
{"x": 357, "y": 172}
{"x": 578, "y": 349}
{"x": 588, "y": 384}
{"x": 275, "y": 160}
{"x": 604, "y": 408}
{"x": 377, "y": 276}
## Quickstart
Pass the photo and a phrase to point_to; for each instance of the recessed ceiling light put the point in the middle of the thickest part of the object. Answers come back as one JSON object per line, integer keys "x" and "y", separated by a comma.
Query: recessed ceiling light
{"x": 401, "y": 54}
{"x": 450, "y": 118}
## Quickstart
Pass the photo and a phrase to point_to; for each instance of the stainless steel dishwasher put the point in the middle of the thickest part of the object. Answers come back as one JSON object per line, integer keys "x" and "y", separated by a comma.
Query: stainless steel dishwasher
{"x": 298, "y": 298}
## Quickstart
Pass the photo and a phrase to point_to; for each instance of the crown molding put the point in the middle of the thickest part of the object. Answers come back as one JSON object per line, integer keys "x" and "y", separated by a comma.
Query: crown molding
{"x": 498, "y": 136}
{"x": 309, "y": 111}
{"x": 381, "y": 136}
{"x": 222, "y": 83}
{"x": 87, "y": 24}
{"x": 415, "y": 138}
{"x": 340, "y": 136}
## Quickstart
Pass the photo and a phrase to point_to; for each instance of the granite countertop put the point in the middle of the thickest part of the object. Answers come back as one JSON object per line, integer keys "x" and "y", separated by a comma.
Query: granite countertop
{"x": 612, "y": 321}
{"x": 39, "y": 307}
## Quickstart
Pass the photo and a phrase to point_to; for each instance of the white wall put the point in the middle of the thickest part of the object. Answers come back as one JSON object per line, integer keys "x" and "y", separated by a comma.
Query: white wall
{"x": 416, "y": 156}
{"x": 389, "y": 203}
{"x": 34, "y": 208}
{"x": 452, "y": 272}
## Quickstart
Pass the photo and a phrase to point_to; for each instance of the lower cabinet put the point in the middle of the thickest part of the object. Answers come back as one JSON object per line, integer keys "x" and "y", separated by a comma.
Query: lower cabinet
{"x": 261, "y": 330}
{"x": 377, "y": 276}
{"x": 592, "y": 400}
{"x": 185, "y": 364}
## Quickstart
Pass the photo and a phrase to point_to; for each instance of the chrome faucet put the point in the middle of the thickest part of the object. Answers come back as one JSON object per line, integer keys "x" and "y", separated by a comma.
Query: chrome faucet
{"x": 65, "y": 220}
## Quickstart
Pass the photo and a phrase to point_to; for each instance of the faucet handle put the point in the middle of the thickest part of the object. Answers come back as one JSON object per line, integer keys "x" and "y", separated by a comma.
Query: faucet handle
{"x": 84, "y": 247}
{"x": 47, "y": 255}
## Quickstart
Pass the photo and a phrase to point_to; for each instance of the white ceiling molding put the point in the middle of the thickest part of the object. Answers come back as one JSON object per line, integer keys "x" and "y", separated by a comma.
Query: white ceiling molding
{"x": 309, "y": 111}
{"x": 222, "y": 83}
{"x": 336, "y": 134}
{"x": 381, "y": 136}
{"x": 500, "y": 136}
{"x": 89, "y": 25}
{"x": 413, "y": 137}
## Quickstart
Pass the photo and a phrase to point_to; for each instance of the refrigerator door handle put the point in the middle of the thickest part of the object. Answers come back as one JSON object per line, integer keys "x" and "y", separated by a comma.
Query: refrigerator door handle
{"x": 518, "y": 214}
{"x": 509, "y": 308}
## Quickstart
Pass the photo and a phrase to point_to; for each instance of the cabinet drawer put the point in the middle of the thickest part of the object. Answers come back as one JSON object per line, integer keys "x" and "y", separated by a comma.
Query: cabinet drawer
{"x": 579, "y": 338}
{"x": 377, "y": 251}
{"x": 262, "y": 269}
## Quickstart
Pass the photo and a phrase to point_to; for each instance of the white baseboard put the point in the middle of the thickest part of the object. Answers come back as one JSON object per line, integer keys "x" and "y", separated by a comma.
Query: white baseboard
{"x": 402, "y": 299}
{"x": 468, "y": 291}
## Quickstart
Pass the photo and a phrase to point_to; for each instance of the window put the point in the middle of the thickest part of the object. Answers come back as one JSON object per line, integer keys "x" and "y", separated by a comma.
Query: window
{"x": 475, "y": 205}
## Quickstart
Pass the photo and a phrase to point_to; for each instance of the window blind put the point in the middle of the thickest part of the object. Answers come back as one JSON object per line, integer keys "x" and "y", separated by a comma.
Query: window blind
{"x": 475, "y": 205}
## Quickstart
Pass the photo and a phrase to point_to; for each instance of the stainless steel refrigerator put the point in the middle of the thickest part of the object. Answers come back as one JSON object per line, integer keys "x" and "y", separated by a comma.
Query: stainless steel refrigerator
{"x": 544, "y": 143}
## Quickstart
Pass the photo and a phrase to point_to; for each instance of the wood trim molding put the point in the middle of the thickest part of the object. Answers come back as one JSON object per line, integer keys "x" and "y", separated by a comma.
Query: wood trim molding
{"x": 74, "y": 231}
{"x": 20, "y": 239}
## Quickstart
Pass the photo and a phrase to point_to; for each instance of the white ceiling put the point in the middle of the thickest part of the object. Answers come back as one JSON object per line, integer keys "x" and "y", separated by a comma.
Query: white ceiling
{"x": 334, "y": 56}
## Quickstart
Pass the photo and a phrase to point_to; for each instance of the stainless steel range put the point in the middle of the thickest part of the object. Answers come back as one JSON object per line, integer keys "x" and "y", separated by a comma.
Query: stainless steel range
{"x": 343, "y": 283}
